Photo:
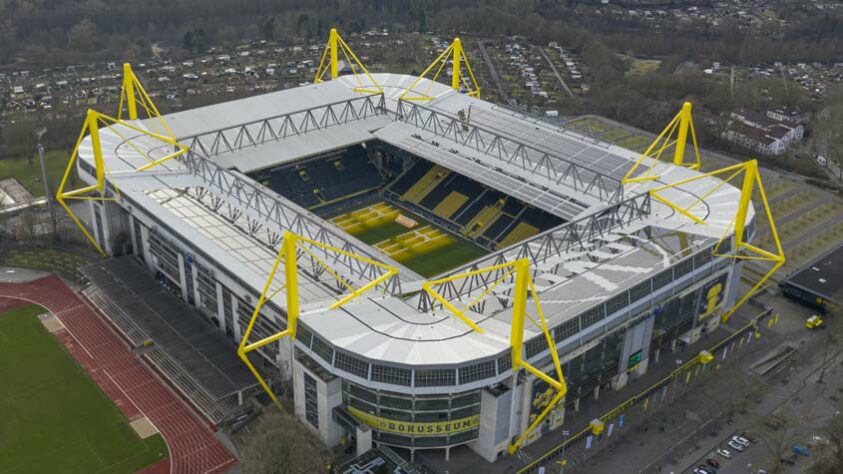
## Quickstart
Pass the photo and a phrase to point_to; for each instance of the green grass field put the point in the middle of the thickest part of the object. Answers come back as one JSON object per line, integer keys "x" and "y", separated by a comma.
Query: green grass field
{"x": 54, "y": 417}
{"x": 29, "y": 175}
{"x": 428, "y": 263}
{"x": 65, "y": 264}
{"x": 439, "y": 260}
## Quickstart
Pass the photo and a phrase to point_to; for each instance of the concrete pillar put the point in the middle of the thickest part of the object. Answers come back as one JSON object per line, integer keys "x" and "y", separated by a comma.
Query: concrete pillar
{"x": 577, "y": 404}
{"x": 597, "y": 392}
{"x": 197, "y": 297}
{"x": 235, "y": 319}
{"x": 182, "y": 277}
{"x": 364, "y": 439}
{"x": 220, "y": 307}
{"x": 656, "y": 354}
{"x": 132, "y": 234}
{"x": 673, "y": 345}
{"x": 447, "y": 454}
{"x": 147, "y": 256}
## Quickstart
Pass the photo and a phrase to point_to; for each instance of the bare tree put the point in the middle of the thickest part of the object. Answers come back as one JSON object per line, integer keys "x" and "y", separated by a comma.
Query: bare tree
{"x": 27, "y": 228}
{"x": 778, "y": 440}
{"x": 832, "y": 460}
{"x": 282, "y": 445}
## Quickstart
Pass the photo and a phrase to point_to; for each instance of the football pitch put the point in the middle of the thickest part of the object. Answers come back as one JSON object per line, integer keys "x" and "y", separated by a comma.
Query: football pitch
{"x": 425, "y": 249}
{"x": 53, "y": 417}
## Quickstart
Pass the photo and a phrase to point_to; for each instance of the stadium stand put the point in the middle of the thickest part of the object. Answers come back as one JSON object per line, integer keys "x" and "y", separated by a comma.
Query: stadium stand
{"x": 326, "y": 184}
{"x": 175, "y": 337}
{"x": 466, "y": 207}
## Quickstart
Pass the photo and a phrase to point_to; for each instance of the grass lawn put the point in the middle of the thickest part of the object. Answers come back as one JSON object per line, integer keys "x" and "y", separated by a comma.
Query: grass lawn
{"x": 30, "y": 175}
{"x": 429, "y": 263}
{"x": 54, "y": 417}
{"x": 373, "y": 235}
{"x": 442, "y": 259}
{"x": 64, "y": 263}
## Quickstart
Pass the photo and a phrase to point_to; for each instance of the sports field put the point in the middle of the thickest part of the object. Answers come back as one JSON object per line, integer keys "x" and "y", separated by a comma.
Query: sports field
{"x": 424, "y": 248}
{"x": 53, "y": 417}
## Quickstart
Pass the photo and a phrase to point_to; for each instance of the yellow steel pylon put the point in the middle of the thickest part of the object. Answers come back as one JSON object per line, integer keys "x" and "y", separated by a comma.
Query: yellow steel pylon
{"x": 741, "y": 249}
{"x": 524, "y": 289}
{"x": 681, "y": 126}
{"x": 91, "y": 127}
{"x": 458, "y": 58}
{"x": 329, "y": 63}
{"x": 290, "y": 248}
{"x": 133, "y": 94}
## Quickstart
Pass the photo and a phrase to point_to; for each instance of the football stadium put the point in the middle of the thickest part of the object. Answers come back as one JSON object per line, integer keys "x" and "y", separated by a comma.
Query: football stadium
{"x": 413, "y": 266}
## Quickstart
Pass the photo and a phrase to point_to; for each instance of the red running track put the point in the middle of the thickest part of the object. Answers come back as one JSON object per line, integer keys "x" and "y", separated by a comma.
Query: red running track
{"x": 124, "y": 378}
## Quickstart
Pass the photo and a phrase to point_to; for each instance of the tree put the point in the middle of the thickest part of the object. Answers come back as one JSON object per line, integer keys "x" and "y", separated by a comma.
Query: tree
{"x": 282, "y": 445}
{"x": 83, "y": 36}
{"x": 269, "y": 29}
{"x": 187, "y": 41}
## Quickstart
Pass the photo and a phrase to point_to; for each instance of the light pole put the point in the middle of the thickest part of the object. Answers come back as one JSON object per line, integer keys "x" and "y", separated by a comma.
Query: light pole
{"x": 47, "y": 195}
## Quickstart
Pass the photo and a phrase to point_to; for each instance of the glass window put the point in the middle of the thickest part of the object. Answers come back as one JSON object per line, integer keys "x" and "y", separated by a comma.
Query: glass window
{"x": 396, "y": 402}
{"x": 322, "y": 349}
{"x": 352, "y": 365}
{"x": 592, "y": 316}
{"x": 462, "y": 437}
{"x": 311, "y": 406}
{"x": 683, "y": 268}
{"x": 640, "y": 291}
{"x": 396, "y": 414}
{"x": 478, "y": 371}
{"x": 465, "y": 412}
{"x": 566, "y": 329}
{"x": 662, "y": 279}
{"x": 535, "y": 346}
{"x": 703, "y": 258}
{"x": 505, "y": 362}
{"x": 617, "y": 303}
{"x": 468, "y": 399}
{"x": 435, "y": 377}
{"x": 393, "y": 375}
{"x": 431, "y": 404}
{"x": 362, "y": 393}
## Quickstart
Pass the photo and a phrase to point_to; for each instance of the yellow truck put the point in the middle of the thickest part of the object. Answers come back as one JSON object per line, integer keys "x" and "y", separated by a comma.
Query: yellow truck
{"x": 814, "y": 322}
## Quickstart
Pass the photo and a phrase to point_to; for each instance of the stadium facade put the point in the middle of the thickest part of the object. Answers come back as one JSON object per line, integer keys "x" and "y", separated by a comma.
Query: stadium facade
{"x": 623, "y": 279}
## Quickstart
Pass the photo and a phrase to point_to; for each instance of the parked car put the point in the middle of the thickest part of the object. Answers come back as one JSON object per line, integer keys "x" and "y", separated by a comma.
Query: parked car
{"x": 801, "y": 450}
{"x": 741, "y": 440}
{"x": 735, "y": 445}
{"x": 788, "y": 461}
{"x": 725, "y": 453}
{"x": 713, "y": 462}
{"x": 707, "y": 469}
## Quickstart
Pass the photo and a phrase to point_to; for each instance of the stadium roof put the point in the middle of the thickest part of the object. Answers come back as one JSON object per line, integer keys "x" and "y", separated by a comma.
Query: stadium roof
{"x": 614, "y": 236}
{"x": 823, "y": 276}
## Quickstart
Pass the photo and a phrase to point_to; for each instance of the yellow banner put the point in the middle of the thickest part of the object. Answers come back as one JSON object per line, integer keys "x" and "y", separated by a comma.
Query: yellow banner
{"x": 436, "y": 428}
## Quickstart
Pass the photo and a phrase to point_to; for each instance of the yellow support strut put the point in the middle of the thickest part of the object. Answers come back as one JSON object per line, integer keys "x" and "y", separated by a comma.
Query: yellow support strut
{"x": 91, "y": 127}
{"x": 680, "y": 126}
{"x": 132, "y": 95}
{"x": 458, "y": 80}
{"x": 524, "y": 289}
{"x": 288, "y": 253}
{"x": 329, "y": 64}
{"x": 741, "y": 249}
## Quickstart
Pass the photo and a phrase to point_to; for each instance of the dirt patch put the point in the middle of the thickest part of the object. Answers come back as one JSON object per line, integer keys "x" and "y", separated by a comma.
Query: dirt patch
{"x": 143, "y": 427}
{"x": 51, "y": 322}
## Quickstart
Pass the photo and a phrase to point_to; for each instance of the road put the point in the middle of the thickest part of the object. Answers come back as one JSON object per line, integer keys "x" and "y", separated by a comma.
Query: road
{"x": 555, "y": 72}
{"x": 493, "y": 72}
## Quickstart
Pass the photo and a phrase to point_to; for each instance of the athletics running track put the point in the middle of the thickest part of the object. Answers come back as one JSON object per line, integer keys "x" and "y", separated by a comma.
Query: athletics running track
{"x": 133, "y": 387}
